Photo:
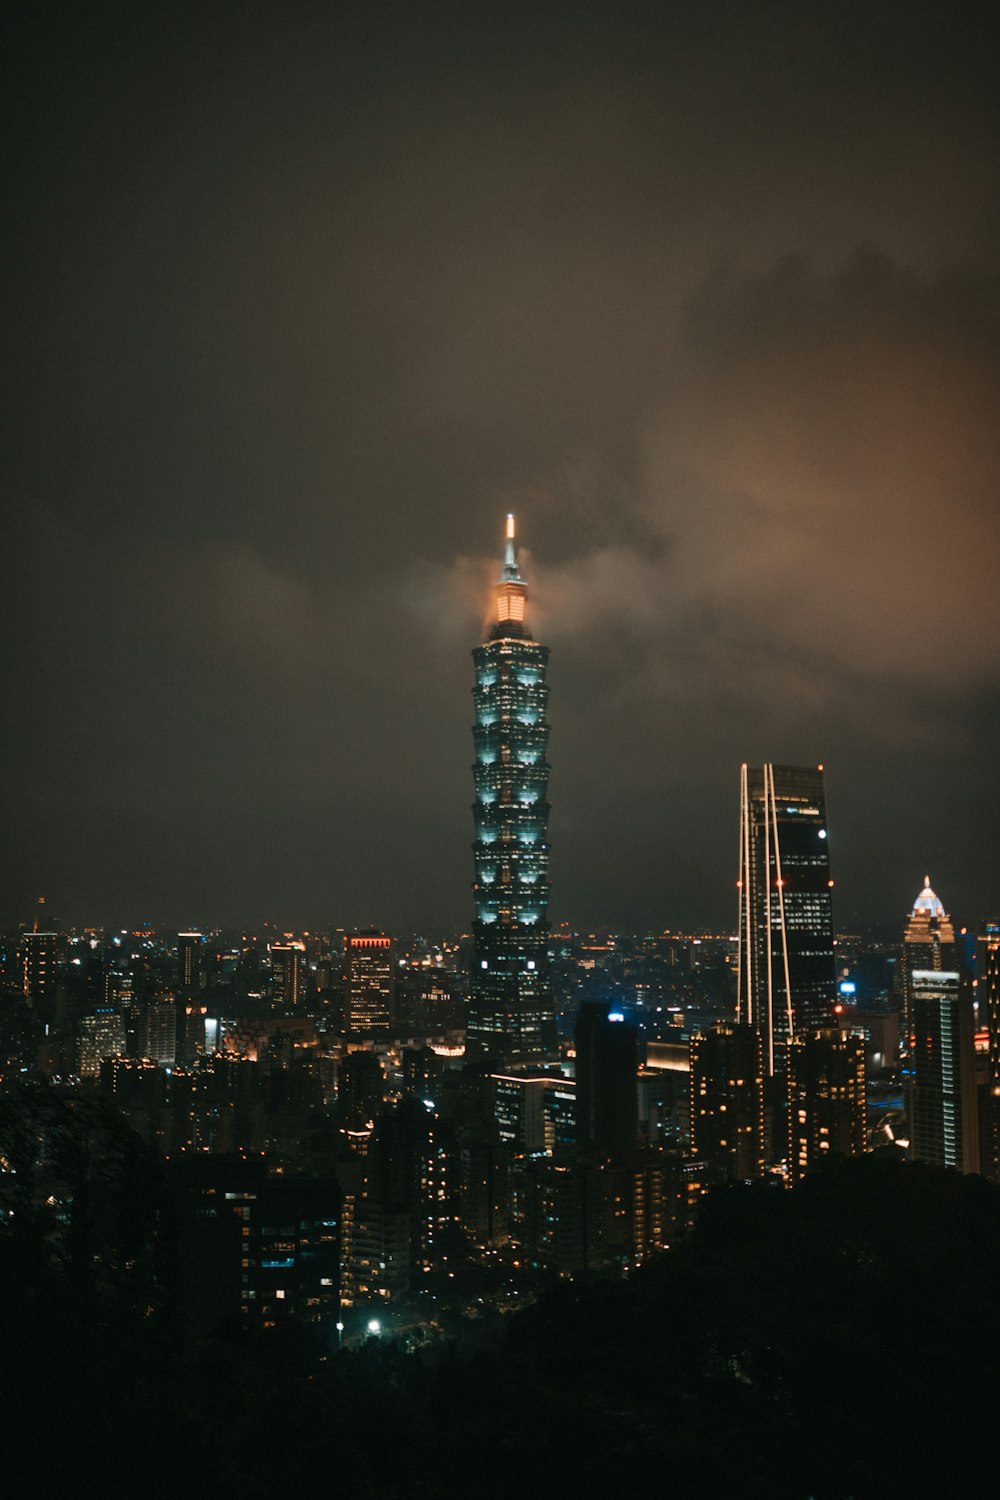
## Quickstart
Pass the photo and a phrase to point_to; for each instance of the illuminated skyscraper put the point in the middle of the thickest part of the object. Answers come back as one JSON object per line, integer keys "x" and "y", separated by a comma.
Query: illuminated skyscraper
{"x": 928, "y": 943}
{"x": 191, "y": 1009}
{"x": 39, "y": 968}
{"x": 826, "y": 1098}
{"x": 787, "y": 973}
{"x": 512, "y": 1012}
{"x": 189, "y": 945}
{"x": 161, "y": 1032}
{"x": 367, "y": 982}
{"x": 727, "y": 1101}
{"x": 989, "y": 1015}
{"x": 287, "y": 965}
{"x": 102, "y": 1035}
{"x": 944, "y": 1126}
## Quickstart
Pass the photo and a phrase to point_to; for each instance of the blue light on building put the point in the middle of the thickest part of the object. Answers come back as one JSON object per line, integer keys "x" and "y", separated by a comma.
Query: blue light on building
{"x": 512, "y": 1012}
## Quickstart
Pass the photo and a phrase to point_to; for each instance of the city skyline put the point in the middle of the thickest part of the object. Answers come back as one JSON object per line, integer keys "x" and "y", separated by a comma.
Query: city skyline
{"x": 500, "y": 916}
{"x": 707, "y": 296}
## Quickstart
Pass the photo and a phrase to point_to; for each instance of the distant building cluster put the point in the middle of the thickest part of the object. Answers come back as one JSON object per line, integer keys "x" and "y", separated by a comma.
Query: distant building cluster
{"x": 372, "y": 1132}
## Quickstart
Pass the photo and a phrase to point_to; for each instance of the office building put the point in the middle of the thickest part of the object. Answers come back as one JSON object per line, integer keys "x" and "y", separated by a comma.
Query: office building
{"x": 512, "y": 1011}
{"x": 360, "y": 1085}
{"x": 535, "y": 1112}
{"x": 102, "y": 1035}
{"x": 161, "y": 1032}
{"x": 287, "y": 974}
{"x": 607, "y": 1094}
{"x": 989, "y": 1018}
{"x": 39, "y": 963}
{"x": 727, "y": 1102}
{"x": 787, "y": 972}
{"x": 928, "y": 944}
{"x": 189, "y": 967}
{"x": 944, "y": 1126}
{"x": 367, "y": 982}
{"x": 826, "y": 1098}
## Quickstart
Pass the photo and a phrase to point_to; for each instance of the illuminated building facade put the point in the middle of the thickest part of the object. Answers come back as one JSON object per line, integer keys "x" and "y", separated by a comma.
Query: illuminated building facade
{"x": 928, "y": 943}
{"x": 944, "y": 1126}
{"x": 512, "y": 1011}
{"x": 189, "y": 946}
{"x": 826, "y": 1098}
{"x": 989, "y": 1015}
{"x": 535, "y": 1112}
{"x": 787, "y": 971}
{"x": 727, "y": 1102}
{"x": 161, "y": 1032}
{"x": 39, "y": 955}
{"x": 367, "y": 982}
{"x": 102, "y": 1035}
{"x": 287, "y": 965}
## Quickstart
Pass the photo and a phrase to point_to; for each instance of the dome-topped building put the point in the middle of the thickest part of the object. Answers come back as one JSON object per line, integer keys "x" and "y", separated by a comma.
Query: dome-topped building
{"x": 929, "y": 904}
{"x": 928, "y": 943}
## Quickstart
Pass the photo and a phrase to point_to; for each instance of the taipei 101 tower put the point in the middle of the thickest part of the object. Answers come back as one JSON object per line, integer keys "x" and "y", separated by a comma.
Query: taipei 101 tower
{"x": 512, "y": 1011}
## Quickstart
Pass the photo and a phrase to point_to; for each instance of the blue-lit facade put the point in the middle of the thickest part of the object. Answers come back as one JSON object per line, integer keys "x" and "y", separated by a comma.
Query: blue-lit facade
{"x": 512, "y": 1012}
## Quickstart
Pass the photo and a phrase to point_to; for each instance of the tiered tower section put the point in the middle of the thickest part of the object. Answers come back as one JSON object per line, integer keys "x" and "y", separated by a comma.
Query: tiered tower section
{"x": 512, "y": 1013}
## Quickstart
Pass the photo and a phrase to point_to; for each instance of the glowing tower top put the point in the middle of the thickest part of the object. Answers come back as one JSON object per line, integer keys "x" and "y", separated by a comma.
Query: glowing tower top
{"x": 511, "y": 591}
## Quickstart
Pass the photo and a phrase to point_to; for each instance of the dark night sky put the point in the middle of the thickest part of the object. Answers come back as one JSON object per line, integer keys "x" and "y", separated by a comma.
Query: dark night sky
{"x": 302, "y": 298}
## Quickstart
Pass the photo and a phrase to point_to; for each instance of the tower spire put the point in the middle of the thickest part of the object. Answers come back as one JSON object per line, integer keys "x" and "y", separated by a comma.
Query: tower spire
{"x": 511, "y": 589}
{"x": 510, "y": 568}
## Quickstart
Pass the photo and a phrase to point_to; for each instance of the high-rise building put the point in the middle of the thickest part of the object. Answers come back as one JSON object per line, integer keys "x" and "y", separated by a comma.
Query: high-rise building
{"x": 535, "y": 1112}
{"x": 161, "y": 1032}
{"x": 39, "y": 954}
{"x": 727, "y": 1102}
{"x": 287, "y": 965}
{"x": 359, "y": 1090}
{"x": 787, "y": 971}
{"x": 928, "y": 944}
{"x": 512, "y": 1011}
{"x": 826, "y": 1098}
{"x": 944, "y": 1126}
{"x": 367, "y": 982}
{"x": 607, "y": 1093}
{"x": 189, "y": 947}
{"x": 102, "y": 1035}
{"x": 989, "y": 1016}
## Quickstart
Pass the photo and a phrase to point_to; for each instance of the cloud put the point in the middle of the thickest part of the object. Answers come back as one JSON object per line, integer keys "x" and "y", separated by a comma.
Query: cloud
{"x": 818, "y": 489}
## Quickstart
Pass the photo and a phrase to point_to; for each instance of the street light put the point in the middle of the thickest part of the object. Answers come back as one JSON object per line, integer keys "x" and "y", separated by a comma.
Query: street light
{"x": 374, "y": 1327}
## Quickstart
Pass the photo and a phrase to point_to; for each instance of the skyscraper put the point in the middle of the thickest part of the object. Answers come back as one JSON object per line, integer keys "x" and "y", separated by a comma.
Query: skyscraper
{"x": 161, "y": 1032}
{"x": 512, "y": 1012}
{"x": 944, "y": 1126}
{"x": 727, "y": 1102}
{"x": 189, "y": 946}
{"x": 928, "y": 943}
{"x": 191, "y": 1008}
{"x": 287, "y": 964}
{"x": 989, "y": 1015}
{"x": 607, "y": 1095}
{"x": 367, "y": 981}
{"x": 826, "y": 1098}
{"x": 787, "y": 972}
{"x": 39, "y": 957}
{"x": 102, "y": 1035}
